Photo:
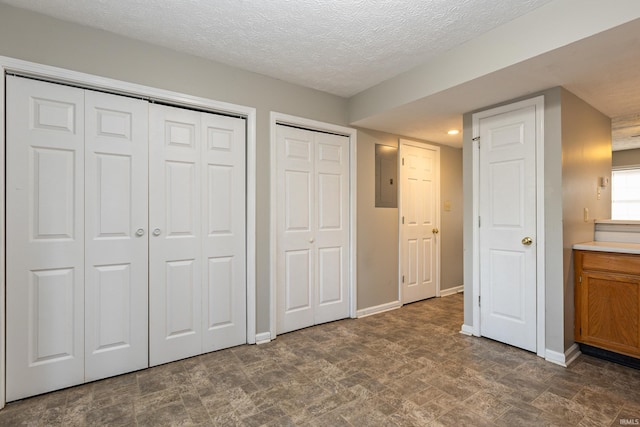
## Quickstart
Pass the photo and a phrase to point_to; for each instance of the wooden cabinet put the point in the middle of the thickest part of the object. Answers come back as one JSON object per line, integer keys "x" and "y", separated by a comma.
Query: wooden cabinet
{"x": 607, "y": 301}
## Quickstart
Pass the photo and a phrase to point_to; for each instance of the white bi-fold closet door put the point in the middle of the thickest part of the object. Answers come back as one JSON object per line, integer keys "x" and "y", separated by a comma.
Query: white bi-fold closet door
{"x": 313, "y": 250}
{"x": 79, "y": 250}
{"x": 197, "y": 221}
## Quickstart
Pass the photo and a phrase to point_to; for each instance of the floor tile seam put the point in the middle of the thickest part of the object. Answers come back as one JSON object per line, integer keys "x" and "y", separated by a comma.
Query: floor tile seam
{"x": 187, "y": 409}
{"x": 497, "y": 416}
{"x": 553, "y": 415}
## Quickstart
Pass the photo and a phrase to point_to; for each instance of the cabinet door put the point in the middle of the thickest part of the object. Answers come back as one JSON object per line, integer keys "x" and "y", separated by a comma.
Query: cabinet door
{"x": 175, "y": 242}
{"x": 45, "y": 237}
{"x": 610, "y": 311}
{"x": 116, "y": 264}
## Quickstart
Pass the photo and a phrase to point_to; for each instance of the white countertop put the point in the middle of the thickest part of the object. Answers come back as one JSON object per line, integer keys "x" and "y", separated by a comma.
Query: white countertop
{"x": 625, "y": 248}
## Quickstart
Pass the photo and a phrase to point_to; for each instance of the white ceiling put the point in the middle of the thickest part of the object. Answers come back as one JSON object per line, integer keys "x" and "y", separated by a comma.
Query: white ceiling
{"x": 346, "y": 46}
{"x": 337, "y": 46}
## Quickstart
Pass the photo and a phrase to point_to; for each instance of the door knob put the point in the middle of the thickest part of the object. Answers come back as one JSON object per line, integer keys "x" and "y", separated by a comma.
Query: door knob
{"x": 156, "y": 232}
{"x": 435, "y": 231}
{"x": 140, "y": 232}
{"x": 527, "y": 241}
{"x": 311, "y": 240}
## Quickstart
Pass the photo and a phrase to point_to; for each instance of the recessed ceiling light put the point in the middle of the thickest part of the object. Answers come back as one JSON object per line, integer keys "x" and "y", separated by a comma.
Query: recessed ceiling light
{"x": 453, "y": 132}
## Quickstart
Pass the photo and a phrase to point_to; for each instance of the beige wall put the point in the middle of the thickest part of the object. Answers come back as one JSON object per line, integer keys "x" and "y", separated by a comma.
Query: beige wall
{"x": 586, "y": 156}
{"x": 577, "y": 150}
{"x": 378, "y": 227}
{"x": 33, "y": 37}
{"x": 625, "y": 158}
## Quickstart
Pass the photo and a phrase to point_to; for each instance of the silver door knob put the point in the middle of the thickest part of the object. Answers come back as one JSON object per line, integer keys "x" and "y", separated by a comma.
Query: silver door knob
{"x": 311, "y": 240}
{"x": 435, "y": 231}
{"x": 527, "y": 241}
{"x": 140, "y": 232}
{"x": 156, "y": 232}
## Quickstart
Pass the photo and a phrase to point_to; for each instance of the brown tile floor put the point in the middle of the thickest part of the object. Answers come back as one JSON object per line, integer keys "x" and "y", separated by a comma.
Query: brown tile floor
{"x": 408, "y": 367}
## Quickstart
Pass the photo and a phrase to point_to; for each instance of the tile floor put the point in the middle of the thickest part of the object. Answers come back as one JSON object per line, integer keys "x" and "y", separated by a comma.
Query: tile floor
{"x": 407, "y": 367}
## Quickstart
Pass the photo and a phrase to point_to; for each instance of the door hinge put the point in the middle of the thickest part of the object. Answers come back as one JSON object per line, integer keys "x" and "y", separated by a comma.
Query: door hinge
{"x": 403, "y": 278}
{"x": 580, "y": 278}
{"x": 403, "y": 219}
{"x": 478, "y": 221}
{"x": 580, "y": 331}
{"x": 403, "y": 161}
{"x": 479, "y": 300}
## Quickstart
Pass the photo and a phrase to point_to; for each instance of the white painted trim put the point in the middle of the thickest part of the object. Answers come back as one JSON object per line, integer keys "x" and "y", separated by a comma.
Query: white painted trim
{"x": 538, "y": 103}
{"x": 401, "y": 143}
{"x": 466, "y": 330}
{"x": 572, "y": 354}
{"x": 263, "y": 338}
{"x": 280, "y": 118}
{"x": 563, "y": 359}
{"x": 3, "y": 311}
{"x": 377, "y": 309}
{"x": 89, "y": 81}
{"x": 452, "y": 291}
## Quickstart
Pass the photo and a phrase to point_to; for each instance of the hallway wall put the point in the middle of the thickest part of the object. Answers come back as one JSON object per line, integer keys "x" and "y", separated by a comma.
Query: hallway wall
{"x": 378, "y": 227}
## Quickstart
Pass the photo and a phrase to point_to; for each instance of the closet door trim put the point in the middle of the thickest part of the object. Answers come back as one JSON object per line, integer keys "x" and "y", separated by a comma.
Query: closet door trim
{"x": 87, "y": 81}
{"x": 312, "y": 125}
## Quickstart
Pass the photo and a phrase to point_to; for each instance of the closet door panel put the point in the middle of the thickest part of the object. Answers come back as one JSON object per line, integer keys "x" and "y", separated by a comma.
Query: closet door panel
{"x": 45, "y": 237}
{"x": 332, "y": 227}
{"x": 175, "y": 249}
{"x": 296, "y": 218}
{"x": 116, "y": 261}
{"x": 224, "y": 225}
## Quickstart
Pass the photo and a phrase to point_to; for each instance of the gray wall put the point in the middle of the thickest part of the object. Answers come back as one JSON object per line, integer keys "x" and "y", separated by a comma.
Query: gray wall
{"x": 33, "y": 37}
{"x": 577, "y": 150}
{"x": 37, "y": 38}
{"x": 378, "y": 227}
{"x": 626, "y": 158}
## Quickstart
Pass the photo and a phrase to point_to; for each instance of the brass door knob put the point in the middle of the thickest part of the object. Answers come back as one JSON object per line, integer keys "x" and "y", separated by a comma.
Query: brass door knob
{"x": 527, "y": 241}
{"x": 435, "y": 231}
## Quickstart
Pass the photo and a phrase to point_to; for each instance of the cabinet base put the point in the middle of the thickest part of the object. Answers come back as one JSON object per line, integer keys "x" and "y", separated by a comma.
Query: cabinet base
{"x": 611, "y": 356}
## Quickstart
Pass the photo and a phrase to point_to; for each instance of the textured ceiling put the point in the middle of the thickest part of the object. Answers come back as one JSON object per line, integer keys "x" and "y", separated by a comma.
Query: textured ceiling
{"x": 338, "y": 46}
{"x": 346, "y": 46}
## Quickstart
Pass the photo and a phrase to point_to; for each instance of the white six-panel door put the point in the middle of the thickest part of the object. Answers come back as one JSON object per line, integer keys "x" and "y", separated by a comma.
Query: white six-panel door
{"x": 116, "y": 236}
{"x": 175, "y": 249}
{"x": 82, "y": 173}
{"x": 197, "y": 224}
{"x": 419, "y": 221}
{"x": 224, "y": 320}
{"x": 45, "y": 237}
{"x": 508, "y": 219}
{"x": 312, "y": 228}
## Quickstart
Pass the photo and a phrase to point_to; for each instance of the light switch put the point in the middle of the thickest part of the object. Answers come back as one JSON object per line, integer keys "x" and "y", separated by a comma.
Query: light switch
{"x": 586, "y": 214}
{"x": 447, "y": 205}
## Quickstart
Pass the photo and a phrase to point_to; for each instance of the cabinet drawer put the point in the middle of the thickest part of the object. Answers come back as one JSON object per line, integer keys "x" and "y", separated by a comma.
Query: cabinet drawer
{"x": 614, "y": 262}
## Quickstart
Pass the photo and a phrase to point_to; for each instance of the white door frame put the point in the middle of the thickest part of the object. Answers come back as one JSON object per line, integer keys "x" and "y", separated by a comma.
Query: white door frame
{"x": 61, "y": 75}
{"x": 436, "y": 148}
{"x": 276, "y": 118}
{"x": 538, "y": 103}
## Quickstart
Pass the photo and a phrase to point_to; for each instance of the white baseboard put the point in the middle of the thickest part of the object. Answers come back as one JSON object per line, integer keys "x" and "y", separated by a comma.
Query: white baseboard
{"x": 563, "y": 359}
{"x": 451, "y": 291}
{"x": 572, "y": 354}
{"x": 378, "y": 309}
{"x": 263, "y": 338}
{"x": 466, "y": 330}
